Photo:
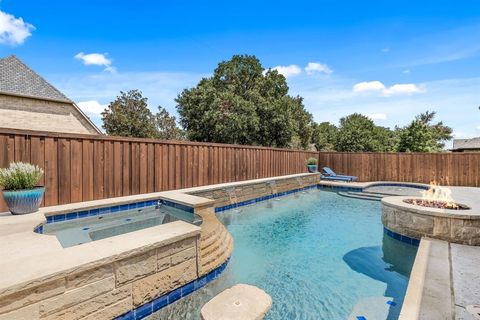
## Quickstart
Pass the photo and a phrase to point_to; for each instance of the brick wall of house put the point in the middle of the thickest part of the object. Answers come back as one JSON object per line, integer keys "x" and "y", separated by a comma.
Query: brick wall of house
{"x": 42, "y": 115}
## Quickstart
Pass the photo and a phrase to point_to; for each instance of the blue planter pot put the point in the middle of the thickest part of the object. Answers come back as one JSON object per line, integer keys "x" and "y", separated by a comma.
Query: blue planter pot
{"x": 24, "y": 201}
{"x": 312, "y": 168}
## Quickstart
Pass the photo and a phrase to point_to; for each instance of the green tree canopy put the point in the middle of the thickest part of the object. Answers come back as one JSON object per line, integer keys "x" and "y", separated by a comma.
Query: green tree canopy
{"x": 324, "y": 135}
{"x": 357, "y": 133}
{"x": 129, "y": 116}
{"x": 241, "y": 103}
{"x": 423, "y": 136}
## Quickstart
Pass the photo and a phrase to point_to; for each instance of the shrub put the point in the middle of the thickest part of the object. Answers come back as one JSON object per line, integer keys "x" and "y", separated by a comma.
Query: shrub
{"x": 20, "y": 176}
{"x": 312, "y": 161}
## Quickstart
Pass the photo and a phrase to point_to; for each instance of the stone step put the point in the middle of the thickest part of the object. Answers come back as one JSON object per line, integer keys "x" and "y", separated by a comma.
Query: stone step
{"x": 359, "y": 195}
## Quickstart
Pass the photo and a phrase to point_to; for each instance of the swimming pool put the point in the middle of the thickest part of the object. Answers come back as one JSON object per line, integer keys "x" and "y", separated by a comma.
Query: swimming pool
{"x": 319, "y": 256}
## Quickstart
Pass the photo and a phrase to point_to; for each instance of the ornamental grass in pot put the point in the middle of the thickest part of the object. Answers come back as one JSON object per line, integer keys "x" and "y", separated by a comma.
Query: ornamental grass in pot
{"x": 20, "y": 190}
{"x": 312, "y": 164}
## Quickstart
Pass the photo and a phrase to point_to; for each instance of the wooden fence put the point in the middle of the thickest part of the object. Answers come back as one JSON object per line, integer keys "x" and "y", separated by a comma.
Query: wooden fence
{"x": 84, "y": 167}
{"x": 456, "y": 169}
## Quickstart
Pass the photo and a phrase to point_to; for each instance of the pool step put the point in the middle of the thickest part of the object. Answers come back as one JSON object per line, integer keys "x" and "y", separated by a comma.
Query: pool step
{"x": 372, "y": 308}
{"x": 361, "y": 195}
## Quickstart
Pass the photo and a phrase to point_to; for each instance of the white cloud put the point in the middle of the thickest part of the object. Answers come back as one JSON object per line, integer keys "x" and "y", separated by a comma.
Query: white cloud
{"x": 477, "y": 127}
{"x": 92, "y": 107}
{"x": 377, "y": 116}
{"x": 385, "y": 50}
{"x": 406, "y": 71}
{"x": 13, "y": 31}
{"x": 313, "y": 67}
{"x": 288, "y": 71}
{"x": 403, "y": 89}
{"x": 96, "y": 59}
{"x": 395, "y": 90}
{"x": 368, "y": 86}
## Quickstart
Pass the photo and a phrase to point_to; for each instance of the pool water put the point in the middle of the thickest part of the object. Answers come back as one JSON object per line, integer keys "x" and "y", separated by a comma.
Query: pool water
{"x": 318, "y": 255}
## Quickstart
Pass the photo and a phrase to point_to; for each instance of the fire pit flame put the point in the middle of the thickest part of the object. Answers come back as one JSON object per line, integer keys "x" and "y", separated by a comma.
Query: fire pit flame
{"x": 436, "y": 197}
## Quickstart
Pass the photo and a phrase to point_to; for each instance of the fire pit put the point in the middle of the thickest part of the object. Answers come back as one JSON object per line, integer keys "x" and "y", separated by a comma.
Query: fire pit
{"x": 439, "y": 204}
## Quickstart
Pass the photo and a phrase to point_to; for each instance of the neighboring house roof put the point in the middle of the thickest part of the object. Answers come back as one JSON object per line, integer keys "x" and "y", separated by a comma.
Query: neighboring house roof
{"x": 18, "y": 79}
{"x": 459, "y": 144}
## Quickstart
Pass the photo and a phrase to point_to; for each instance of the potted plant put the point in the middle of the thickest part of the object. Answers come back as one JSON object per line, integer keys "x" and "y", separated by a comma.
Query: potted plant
{"x": 312, "y": 164}
{"x": 20, "y": 190}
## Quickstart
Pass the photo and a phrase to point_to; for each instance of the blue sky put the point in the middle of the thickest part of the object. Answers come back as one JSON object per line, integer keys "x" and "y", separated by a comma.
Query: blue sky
{"x": 389, "y": 60}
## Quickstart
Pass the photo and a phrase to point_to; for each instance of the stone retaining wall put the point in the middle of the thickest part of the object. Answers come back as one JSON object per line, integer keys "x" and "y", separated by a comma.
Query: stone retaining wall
{"x": 414, "y": 224}
{"x": 228, "y": 195}
{"x": 109, "y": 290}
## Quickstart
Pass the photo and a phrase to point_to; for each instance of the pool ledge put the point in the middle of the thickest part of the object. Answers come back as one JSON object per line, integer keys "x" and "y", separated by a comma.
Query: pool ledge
{"x": 443, "y": 282}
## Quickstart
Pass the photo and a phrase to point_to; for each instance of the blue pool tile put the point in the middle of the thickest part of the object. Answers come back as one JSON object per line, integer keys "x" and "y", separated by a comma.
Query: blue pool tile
{"x": 104, "y": 210}
{"x": 415, "y": 242}
{"x": 143, "y": 311}
{"x": 124, "y": 207}
{"x": 93, "y": 212}
{"x": 361, "y": 318}
{"x": 199, "y": 283}
{"x": 175, "y": 295}
{"x": 132, "y": 206}
{"x": 71, "y": 216}
{"x": 58, "y": 218}
{"x": 115, "y": 209}
{"x": 140, "y": 204}
{"x": 188, "y": 288}
{"x": 49, "y": 219}
{"x": 159, "y": 303}
{"x": 211, "y": 275}
{"x": 83, "y": 214}
{"x": 127, "y": 316}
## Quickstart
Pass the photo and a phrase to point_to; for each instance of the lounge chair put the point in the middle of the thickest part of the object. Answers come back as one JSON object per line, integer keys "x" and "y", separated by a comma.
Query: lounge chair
{"x": 329, "y": 174}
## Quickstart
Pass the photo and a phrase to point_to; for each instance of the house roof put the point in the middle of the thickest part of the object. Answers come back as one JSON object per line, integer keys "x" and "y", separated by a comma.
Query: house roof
{"x": 18, "y": 79}
{"x": 473, "y": 143}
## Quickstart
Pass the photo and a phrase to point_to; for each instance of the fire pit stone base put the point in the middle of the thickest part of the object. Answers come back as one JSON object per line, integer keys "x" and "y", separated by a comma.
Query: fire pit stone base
{"x": 416, "y": 221}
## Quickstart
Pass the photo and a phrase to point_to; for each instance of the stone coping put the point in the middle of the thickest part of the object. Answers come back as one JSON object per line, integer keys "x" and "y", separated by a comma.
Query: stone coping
{"x": 463, "y": 195}
{"x": 369, "y": 184}
{"x": 444, "y": 281}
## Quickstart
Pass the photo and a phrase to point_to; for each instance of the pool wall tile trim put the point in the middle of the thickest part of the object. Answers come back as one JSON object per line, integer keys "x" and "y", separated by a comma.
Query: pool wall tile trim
{"x": 169, "y": 298}
{"x": 399, "y": 237}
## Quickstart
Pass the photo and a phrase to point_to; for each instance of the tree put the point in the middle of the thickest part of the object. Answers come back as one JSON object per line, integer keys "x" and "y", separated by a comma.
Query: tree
{"x": 243, "y": 104}
{"x": 356, "y": 133}
{"x": 324, "y": 135}
{"x": 166, "y": 126}
{"x": 129, "y": 116}
{"x": 423, "y": 136}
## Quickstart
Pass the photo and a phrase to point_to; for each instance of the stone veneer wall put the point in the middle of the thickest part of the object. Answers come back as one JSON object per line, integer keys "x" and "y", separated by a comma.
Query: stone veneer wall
{"x": 224, "y": 195}
{"x": 417, "y": 225}
{"x": 42, "y": 115}
{"x": 108, "y": 290}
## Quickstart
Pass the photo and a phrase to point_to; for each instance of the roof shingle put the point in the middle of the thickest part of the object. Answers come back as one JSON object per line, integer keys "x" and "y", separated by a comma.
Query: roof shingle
{"x": 473, "y": 143}
{"x": 18, "y": 79}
